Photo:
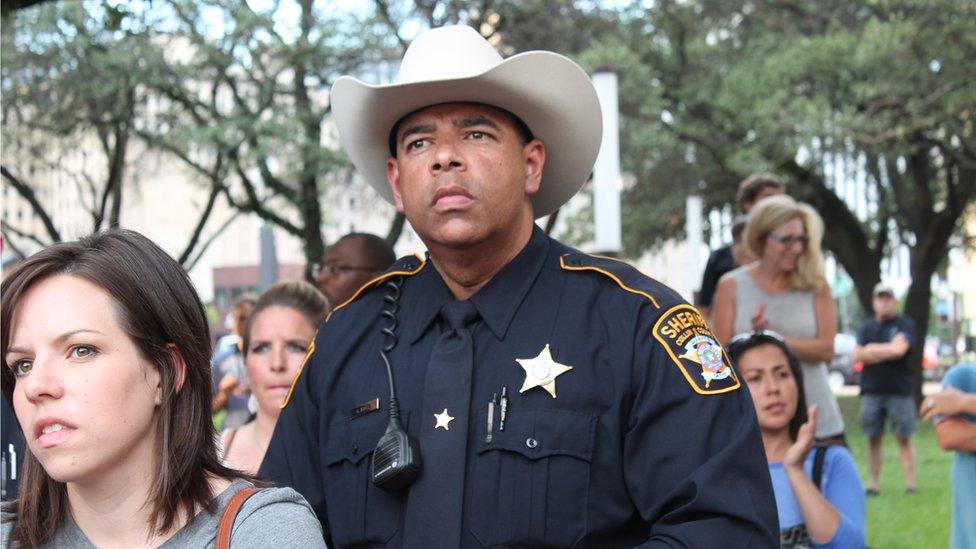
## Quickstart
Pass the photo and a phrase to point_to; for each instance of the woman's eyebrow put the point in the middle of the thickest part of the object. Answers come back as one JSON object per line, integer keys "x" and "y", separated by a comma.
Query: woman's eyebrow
{"x": 57, "y": 341}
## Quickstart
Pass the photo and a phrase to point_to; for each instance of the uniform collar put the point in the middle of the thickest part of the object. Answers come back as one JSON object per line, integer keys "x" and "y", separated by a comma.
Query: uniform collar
{"x": 500, "y": 298}
{"x": 497, "y": 301}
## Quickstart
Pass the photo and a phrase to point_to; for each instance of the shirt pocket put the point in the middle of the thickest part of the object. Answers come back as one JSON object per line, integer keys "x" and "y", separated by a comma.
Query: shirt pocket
{"x": 532, "y": 480}
{"x": 360, "y": 514}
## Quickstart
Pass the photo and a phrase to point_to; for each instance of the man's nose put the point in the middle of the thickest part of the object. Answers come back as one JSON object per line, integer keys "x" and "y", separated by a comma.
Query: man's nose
{"x": 446, "y": 156}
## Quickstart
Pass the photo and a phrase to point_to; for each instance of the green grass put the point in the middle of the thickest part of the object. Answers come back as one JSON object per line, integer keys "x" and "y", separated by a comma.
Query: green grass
{"x": 896, "y": 519}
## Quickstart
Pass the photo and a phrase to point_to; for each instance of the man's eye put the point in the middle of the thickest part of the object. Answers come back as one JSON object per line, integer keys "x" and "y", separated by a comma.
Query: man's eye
{"x": 416, "y": 144}
{"x": 478, "y": 135}
{"x": 83, "y": 351}
{"x": 21, "y": 367}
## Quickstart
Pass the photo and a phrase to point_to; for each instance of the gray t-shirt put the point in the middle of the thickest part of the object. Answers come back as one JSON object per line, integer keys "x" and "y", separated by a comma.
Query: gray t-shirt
{"x": 274, "y": 517}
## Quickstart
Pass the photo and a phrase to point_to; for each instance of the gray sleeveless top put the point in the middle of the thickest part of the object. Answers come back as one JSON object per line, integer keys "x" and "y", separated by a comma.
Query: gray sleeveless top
{"x": 791, "y": 314}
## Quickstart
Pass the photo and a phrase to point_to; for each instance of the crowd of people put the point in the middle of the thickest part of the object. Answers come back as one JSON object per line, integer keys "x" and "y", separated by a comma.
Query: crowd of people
{"x": 505, "y": 390}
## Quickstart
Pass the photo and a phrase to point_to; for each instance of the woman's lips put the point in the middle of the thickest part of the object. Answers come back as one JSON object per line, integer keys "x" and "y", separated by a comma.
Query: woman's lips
{"x": 775, "y": 408}
{"x": 50, "y": 433}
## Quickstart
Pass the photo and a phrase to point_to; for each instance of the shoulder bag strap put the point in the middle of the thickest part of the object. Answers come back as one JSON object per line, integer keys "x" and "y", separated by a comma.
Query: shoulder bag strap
{"x": 230, "y": 513}
{"x": 818, "y": 464}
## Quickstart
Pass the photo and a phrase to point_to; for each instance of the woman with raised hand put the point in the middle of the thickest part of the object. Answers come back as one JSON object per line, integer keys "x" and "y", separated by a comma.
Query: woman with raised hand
{"x": 785, "y": 290}
{"x": 819, "y": 497}
{"x": 276, "y": 338}
{"x": 106, "y": 353}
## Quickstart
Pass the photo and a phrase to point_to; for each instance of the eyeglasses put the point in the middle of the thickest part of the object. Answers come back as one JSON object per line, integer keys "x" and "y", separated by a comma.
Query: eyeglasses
{"x": 790, "y": 240}
{"x": 332, "y": 270}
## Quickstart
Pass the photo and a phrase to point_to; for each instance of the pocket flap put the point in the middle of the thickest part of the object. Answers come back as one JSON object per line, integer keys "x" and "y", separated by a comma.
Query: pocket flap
{"x": 352, "y": 440}
{"x": 540, "y": 433}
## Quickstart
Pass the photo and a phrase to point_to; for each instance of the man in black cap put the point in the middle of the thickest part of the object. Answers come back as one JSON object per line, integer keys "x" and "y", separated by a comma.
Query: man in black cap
{"x": 554, "y": 398}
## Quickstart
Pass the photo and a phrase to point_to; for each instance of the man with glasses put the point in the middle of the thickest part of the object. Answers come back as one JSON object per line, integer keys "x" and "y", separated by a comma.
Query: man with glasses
{"x": 883, "y": 345}
{"x": 351, "y": 262}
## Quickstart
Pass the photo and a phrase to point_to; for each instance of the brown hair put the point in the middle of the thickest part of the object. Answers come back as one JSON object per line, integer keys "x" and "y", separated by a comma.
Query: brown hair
{"x": 741, "y": 343}
{"x": 756, "y": 183}
{"x": 293, "y": 294}
{"x": 157, "y": 306}
{"x": 774, "y": 211}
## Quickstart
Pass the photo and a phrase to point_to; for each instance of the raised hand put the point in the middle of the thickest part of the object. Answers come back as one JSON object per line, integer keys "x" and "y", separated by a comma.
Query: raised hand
{"x": 797, "y": 453}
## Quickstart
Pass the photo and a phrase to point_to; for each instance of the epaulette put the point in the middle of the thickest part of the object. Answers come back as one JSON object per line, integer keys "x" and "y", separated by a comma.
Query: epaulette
{"x": 624, "y": 274}
{"x": 681, "y": 329}
{"x": 405, "y": 266}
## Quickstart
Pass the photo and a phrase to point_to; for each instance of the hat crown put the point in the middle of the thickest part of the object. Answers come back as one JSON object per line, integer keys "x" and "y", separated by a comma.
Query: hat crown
{"x": 447, "y": 53}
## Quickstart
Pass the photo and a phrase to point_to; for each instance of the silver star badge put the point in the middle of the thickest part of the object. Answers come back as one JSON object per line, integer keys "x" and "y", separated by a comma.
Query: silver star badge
{"x": 444, "y": 420}
{"x": 542, "y": 371}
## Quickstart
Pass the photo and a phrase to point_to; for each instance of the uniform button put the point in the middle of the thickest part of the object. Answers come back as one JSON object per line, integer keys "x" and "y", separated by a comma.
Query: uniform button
{"x": 355, "y": 449}
{"x": 531, "y": 442}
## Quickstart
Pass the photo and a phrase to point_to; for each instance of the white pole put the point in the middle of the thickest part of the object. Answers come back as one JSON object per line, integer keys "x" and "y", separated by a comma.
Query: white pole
{"x": 693, "y": 227}
{"x": 606, "y": 172}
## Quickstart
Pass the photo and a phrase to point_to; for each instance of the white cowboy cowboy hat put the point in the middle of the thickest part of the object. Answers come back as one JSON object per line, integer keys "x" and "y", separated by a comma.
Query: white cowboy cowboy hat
{"x": 548, "y": 91}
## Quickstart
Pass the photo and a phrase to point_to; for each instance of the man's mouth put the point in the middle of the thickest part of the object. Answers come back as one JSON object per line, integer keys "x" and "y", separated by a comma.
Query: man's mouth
{"x": 451, "y": 196}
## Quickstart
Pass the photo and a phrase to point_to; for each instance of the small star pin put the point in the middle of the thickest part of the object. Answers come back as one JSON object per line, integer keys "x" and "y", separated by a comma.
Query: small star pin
{"x": 542, "y": 371}
{"x": 444, "y": 420}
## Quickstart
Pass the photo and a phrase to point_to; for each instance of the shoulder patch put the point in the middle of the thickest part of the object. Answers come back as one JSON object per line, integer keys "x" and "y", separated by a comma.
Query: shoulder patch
{"x": 688, "y": 340}
{"x": 405, "y": 266}
{"x": 624, "y": 274}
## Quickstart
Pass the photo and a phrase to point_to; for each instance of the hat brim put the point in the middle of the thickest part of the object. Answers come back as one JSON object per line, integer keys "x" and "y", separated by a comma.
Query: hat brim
{"x": 549, "y": 92}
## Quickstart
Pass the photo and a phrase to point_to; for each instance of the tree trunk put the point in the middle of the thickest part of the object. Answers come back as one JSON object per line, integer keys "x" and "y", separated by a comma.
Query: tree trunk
{"x": 917, "y": 306}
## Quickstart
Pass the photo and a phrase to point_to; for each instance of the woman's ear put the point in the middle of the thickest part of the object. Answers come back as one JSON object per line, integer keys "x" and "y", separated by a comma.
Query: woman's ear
{"x": 177, "y": 359}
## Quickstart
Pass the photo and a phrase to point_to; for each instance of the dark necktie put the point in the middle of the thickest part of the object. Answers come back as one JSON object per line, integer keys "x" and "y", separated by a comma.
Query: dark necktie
{"x": 434, "y": 505}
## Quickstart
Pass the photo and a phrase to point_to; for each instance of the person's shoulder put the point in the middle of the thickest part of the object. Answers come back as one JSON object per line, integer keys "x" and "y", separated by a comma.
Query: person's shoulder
{"x": 273, "y": 515}
{"x": 961, "y": 376}
{"x": 617, "y": 276}
{"x": 839, "y": 454}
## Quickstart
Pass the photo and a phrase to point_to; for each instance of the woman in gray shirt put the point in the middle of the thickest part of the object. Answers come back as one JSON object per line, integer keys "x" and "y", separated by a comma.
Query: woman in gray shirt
{"x": 785, "y": 290}
{"x": 106, "y": 349}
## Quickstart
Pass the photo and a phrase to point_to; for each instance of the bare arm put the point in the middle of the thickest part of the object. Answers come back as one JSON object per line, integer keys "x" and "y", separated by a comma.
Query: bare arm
{"x": 821, "y": 347}
{"x": 955, "y": 433}
{"x": 948, "y": 402}
{"x": 723, "y": 309}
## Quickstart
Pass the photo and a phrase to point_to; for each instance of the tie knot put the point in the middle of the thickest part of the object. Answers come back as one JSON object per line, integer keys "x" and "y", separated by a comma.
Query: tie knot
{"x": 459, "y": 314}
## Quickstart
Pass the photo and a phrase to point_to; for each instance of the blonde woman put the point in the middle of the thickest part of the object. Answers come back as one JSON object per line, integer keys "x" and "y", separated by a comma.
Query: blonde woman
{"x": 785, "y": 290}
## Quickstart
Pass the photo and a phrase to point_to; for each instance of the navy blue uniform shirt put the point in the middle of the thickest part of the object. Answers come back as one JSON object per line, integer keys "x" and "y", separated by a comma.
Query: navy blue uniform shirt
{"x": 650, "y": 437}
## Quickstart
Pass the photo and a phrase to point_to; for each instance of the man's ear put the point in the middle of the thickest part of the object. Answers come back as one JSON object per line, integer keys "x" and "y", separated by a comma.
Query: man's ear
{"x": 393, "y": 177}
{"x": 534, "y": 157}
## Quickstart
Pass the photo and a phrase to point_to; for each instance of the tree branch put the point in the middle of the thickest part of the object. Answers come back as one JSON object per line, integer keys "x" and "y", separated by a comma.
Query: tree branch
{"x": 27, "y": 193}
{"x": 33, "y": 238}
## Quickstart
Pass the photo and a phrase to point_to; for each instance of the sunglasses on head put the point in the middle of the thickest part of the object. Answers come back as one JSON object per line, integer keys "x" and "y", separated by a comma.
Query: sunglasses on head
{"x": 747, "y": 339}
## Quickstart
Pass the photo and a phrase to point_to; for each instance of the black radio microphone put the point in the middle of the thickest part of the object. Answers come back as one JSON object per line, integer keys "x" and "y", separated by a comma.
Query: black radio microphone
{"x": 396, "y": 459}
